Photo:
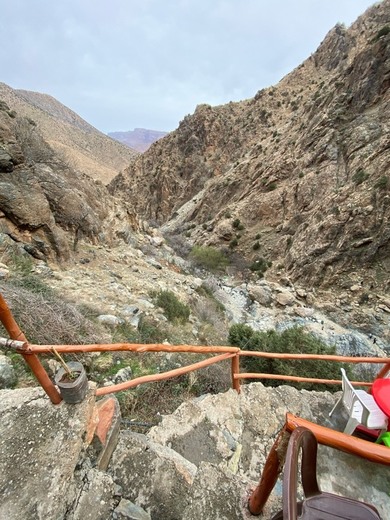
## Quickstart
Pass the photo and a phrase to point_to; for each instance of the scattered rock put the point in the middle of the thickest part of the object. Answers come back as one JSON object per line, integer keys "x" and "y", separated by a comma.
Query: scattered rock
{"x": 304, "y": 312}
{"x": 7, "y": 373}
{"x": 156, "y": 241}
{"x": 284, "y": 298}
{"x": 4, "y": 272}
{"x": 260, "y": 293}
{"x": 355, "y": 288}
{"x": 110, "y": 320}
{"x": 154, "y": 263}
{"x": 127, "y": 510}
{"x": 124, "y": 374}
{"x": 384, "y": 308}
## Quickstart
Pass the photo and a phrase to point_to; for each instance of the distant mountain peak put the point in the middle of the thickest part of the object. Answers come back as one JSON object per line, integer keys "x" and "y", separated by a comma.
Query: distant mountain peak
{"x": 139, "y": 139}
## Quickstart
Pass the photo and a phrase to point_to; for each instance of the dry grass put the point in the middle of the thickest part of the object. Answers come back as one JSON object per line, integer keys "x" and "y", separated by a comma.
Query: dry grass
{"x": 46, "y": 318}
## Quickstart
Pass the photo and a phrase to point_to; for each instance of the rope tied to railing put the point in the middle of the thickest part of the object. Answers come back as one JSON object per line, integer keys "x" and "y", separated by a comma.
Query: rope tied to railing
{"x": 13, "y": 344}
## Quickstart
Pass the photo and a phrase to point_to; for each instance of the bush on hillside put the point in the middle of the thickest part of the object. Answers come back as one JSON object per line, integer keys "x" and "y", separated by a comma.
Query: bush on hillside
{"x": 290, "y": 341}
{"x": 382, "y": 183}
{"x": 209, "y": 258}
{"x": 173, "y": 308}
{"x": 360, "y": 176}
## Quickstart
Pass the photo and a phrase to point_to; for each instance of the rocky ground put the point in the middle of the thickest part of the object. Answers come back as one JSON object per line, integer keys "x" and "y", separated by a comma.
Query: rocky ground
{"x": 203, "y": 461}
{"x": 119, "y": 281}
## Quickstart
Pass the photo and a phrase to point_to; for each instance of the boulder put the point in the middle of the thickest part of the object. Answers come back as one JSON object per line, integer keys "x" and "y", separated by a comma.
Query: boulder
{"x": 110, "y": 320}
{"x": 260, "y": 293}
{"x": 40, "y": 446}
{"x": 127, "y": 510}
{"x": 7, "y": 373}
{"x": 154, "y": 477}
{"x": 285, "y": 298}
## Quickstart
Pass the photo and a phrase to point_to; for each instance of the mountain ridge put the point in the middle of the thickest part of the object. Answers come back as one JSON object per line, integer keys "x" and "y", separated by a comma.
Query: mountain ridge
{"x": 81, "y": 145}
{"x": 139, "y": 139}
{"x": 302, "y": 168}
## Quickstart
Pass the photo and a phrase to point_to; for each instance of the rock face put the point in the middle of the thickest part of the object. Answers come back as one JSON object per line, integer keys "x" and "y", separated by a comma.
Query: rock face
{"x": 45, "y": 205}
{"x": 303, "y": 166}
{"x": 33, "y": 485}
{"x": 213, "y": 448}
{"x": 82, "y": 146}
{"x": 200, "y": 462}
{"x": 138, "y": 139}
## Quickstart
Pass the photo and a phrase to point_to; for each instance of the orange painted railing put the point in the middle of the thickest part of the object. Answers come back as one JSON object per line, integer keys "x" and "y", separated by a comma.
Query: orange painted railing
{"x": 328, "y": 437}
{"x": 221, "y": 353}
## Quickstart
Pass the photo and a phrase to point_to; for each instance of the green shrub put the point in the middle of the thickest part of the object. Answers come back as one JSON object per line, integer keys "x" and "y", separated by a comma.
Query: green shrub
{"x": 382, "y": 183}
{"x": 259, "y": 266}
{"x": 233, "y": 243}
{"x": 256, "y": 246}
{"x": 272, "y": 186}
{"x": 236, "y": 224}
{"x": 209, "y": 258}
{"x": 360, "y": 176}
{"x": 291, "y": 341}
{"x": 173, "y": 309}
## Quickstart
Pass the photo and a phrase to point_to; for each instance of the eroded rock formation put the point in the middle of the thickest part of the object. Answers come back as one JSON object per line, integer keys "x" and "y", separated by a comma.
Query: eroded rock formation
{"x": 303, "y": 165}
{"x": 45, "y": 205}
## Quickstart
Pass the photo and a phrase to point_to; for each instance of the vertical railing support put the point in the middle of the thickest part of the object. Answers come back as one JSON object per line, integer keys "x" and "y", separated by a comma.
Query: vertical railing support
{"x": 31, "y": 359}
{"x": 272, "y": 468}
{"x": 235, "y": 372}
{"x": 384, "y": 371}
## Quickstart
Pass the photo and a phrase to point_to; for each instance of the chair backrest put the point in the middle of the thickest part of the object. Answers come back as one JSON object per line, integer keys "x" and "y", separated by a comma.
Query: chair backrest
{"x": 300, "y": 438}
{"x": 349, "y": 394}
{"x": 325, "y": 505}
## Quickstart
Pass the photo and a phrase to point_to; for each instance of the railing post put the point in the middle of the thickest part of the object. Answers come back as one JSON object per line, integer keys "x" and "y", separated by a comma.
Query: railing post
{"x": 272, "y": 468}
{"x": 235, "y": 372}
{"x": 31, "y": 359}
{"x": 383, "y": 372}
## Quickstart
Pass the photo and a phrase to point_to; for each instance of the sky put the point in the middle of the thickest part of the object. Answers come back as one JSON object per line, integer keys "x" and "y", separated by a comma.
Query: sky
{"x": 122, "y": 64}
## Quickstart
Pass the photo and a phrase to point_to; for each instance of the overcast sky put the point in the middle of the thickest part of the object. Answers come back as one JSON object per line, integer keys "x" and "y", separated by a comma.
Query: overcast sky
{"x": 122, "y": 64}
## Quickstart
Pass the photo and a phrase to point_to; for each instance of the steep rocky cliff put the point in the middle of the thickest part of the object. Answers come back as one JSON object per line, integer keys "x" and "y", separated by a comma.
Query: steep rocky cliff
{"x": 45, "y": 205}
{"x": 298, "y": 175}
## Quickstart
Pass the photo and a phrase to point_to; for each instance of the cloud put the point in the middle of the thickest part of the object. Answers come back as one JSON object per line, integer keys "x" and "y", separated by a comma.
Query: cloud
{"x": 125, "y": 63}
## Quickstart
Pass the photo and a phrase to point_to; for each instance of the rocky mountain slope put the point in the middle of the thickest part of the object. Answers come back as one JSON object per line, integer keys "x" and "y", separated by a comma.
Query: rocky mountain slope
{"x": 138, "y": 139}
{"x": 80, "y": 145}
{"x": 46, "y": 206}
{"x": 298, "y": 175}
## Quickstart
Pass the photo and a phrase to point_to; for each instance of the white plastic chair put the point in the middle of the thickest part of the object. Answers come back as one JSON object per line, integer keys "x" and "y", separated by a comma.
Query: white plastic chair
{"x": 361, "y": 407}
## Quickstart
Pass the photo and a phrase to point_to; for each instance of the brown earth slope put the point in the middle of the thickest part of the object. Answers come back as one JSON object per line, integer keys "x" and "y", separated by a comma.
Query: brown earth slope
{"x": 298, "y": 175}
{"x": 81, "y": 145}
{"x": 45, "y": 205}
